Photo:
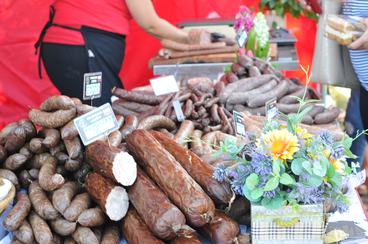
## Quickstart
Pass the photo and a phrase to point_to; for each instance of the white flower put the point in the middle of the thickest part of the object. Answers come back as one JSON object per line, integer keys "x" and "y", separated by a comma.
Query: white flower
{"x": 262, "y": 30}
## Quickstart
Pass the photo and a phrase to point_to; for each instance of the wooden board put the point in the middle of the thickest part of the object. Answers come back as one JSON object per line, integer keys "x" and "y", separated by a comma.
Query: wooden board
{"x": 212, "y": 58}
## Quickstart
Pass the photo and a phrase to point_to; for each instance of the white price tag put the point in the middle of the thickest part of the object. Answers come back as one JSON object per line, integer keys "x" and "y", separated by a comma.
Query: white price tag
{"x": 239, "y": 124}
{"x": 92, "y": 85}
{"x": 96, "y": 124}
{"x": 164, "y": 85}
{"x": 178, "y": 111}
{"x": 241, "y": 38}
{"x": 272, "y": 111}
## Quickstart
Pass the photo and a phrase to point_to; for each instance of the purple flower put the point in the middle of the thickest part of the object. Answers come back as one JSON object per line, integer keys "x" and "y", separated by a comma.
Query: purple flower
{"x": 219, "y": 173}
{"x": 341, "y": 206}
{"x": 270, "y": 194}
{"x": 338, "y": 152}
{"x": 261, "y": 164}
{"x": 237, "y": 186}
{"x": 327, "y": 138}
{"x": 308, "y": 195}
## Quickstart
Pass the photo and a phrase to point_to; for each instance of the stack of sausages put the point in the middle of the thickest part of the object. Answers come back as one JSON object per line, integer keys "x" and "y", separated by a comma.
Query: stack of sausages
{"x": 251, "y": 83}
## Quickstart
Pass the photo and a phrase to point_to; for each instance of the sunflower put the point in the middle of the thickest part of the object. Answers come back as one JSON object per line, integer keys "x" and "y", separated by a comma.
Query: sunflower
{"x": 281, "y": 143}
{"x": 338, "y": 166}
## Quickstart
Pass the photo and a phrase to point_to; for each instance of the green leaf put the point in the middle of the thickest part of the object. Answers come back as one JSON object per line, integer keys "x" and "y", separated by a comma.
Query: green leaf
{"x": 297, "y": 166}
{"x": 276, "y": 167}
{"x": 307, "y": 166}
{"x": 271, "y": 184}
{"x": 330, "y": 171}
{"x": 347, "y": 142}
{"x": 274, "y": 203}
{"x": 248, "y": 195}
{"x": 319, "y": 169}
{"x": 349, "y": 154}
{"x": 336, "y": 180}
{"x": 251, "y": 40}
{"x": 286, "y": 179}
{"x": 314, "y": 181}
{"x": 252, "y": 181}
{"x": 256, "y": 193}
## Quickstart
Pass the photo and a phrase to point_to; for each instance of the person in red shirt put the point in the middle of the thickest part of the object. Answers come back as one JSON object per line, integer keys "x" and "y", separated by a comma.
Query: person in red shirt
{"x": 89, "y": 36}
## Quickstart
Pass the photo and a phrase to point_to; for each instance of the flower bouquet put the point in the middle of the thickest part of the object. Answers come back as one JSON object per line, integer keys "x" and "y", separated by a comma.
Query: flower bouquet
{"x": 286, "y": 167}
{"x": 256, "y": 29}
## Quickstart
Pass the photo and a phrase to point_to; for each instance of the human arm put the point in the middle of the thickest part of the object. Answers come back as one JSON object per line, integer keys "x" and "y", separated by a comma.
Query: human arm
{"x": 146, "y": 17}
{"x": 362, "y": 42}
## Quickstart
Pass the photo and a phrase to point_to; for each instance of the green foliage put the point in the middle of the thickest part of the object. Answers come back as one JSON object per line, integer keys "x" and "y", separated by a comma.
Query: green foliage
{"x": 282, "y": 7}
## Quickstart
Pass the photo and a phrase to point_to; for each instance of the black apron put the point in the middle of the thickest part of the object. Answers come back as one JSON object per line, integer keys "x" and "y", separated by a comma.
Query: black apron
{"x": 101, "y": 48}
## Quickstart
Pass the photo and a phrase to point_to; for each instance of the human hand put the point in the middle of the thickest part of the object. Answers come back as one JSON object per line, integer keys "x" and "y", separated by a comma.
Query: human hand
{"x": 199, "y": 36}
{"x": 362, "y": 42}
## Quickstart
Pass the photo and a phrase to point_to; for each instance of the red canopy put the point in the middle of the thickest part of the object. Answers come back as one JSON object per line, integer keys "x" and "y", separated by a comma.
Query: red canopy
{"x": 21, "y": 22}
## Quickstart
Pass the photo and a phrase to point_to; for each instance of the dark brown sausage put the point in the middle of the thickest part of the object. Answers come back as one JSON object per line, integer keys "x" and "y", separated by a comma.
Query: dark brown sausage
{"x": 41, "y": 203}
{"x": 187, "y": 239}
{"x": 136, "y": 231}
{"x": 172, "y": 178}
{"x": 328, "y": 116}
{"x": 62, "y": 226}
{"x": 110, "y": 235}
{"x": 62, "y": 197}
{"x": 199, "y": 170}
{"x": 162, "y": 217}
{"x": 24, "y": 233}
{"x": 15, "y": 140}
{"x": 222, "y": 230}
{"x": 135, "y": 96}
{"x": 131, "y": 123}
{"x": 52, "y": 137}
{"x": 18, "y": 213}
{"x": 41, "y": 230}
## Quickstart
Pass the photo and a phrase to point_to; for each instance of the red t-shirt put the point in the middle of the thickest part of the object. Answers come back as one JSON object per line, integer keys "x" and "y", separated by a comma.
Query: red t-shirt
{"x": 107, "y": 15}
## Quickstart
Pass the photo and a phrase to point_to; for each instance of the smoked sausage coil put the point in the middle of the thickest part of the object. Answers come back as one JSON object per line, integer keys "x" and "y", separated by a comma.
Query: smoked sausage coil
{"x": 18, "y": 213}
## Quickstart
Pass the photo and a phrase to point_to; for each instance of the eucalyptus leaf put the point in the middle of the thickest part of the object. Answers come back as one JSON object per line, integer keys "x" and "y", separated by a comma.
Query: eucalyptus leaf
{"x": 276, "y": 167}
{"x": 252, "y": 181}
{"x": 256, "y": 193}
{"x": 347, "y": 142}
{"x": 319, "y": 169}
{"x": 307, "y": 166}
{"x": 286, "y": 179}
{"x": 314, "y": 181}
{"x": 248, "y": 195}
{"x": 274, "y": 203}
{"x": 271, "y": 184}
{"x": 297, "y": 166}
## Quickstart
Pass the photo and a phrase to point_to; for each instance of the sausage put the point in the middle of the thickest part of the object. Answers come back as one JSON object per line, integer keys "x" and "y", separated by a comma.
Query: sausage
{"x": 242, "y": 85}
{"x": 73, "y": 164}
{"x": 73, "y": 147}
{"x": 211, "y": 102}
{"x": 162, "y": 167}
{"x": 25, "y": 151}
{"x": 81, "y": 174}
{"x": 41, "y": 230}
{"x": 15, "y": 161}
{"x": 157, "y": 121}
{"x": 61, "y": 158}
{"x": 188, "y": 109}
{"x": 79, "y": 203}
{"x": 6, "y": 131}
{"x": 112, "y": 162}
{"x": 83, "y": 109}
{"x": 187, "y": 239}
{"x": 41, "y": 203}
{"x": 84, "y": 235}
{"x": 316, "y": 110}
{"x": 36, "y": 146}
{"x": 40, "y": 159}
{"x": 292, "y": 98}
{"x": 56, "y": 239}
{"x": 52, "y": 137}
{"x": 134, "y": 106}
{"x": 18, "y": 213}
{"x": 51, "y": 119}
{"x": 136, "y": 231}
{"x": 3, "y": 154}
{"x": 254, "y": 71}
{"x": 15, "y": 140}
{"x": 279, "y": 91}
{"x": 162, "y": 217}
{"x": 112, "y": 199}
{"x": 34, "y": 173}
{"x": 135, "y": 96}
{"x": 243, "y": 97}
{"x": 115, "y": 138}
{"x": 173, "y": 45}
{"x": 9, "y": 175}
{"x": 239, "y": 208}
{"x": 196, "y": 142}
{"x": 69, "y": 240}
{"x": 57, "y": 102}
{"x": 185, "y": 130}
{"x": 62, "y": 197}
{"x": 225, "y": 121}
{"x": 120, "y": 110}
{"x": 202, "y": 99}
{"x": 328, "y": 116}
{"x": 62, "y": 226}
{"x": 184, "y": 97}
{"x": 98, "y": 233}
{"x": 167, "y": 133}
{"x": 69, "y": 131}
{"x": 48, "y": 179}
{"x": 223, "y": 230}
{"x": 131, "y": 123}
{"x": 29, "y": 128}
{"x": 24, "y": 233}
{"x": 25, "y": 179}
{"x": 111, "y": 235}
{"x": 59, "y": 148}
{"x": 199, "y": 170}
{"x": 91, "y": 217}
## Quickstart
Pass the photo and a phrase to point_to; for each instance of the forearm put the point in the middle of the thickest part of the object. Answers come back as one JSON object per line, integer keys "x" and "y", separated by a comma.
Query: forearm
{"x": 162, "y": 29}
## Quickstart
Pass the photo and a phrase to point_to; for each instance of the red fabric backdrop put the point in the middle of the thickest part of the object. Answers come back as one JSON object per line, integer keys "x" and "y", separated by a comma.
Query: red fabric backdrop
{"x": 21, "y": 22}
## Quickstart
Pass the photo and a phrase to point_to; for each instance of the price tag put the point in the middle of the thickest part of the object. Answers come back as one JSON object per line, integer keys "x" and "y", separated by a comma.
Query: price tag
{"x": 178, "y": 111}
{"x": 164, "y": 85}
{"x": 241, "y": 38}
{"x": 239, "y": 124}
{"x": 96, "y": 124}
{"x": 272, "y": 111}
{"x": 92, "y": 85}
